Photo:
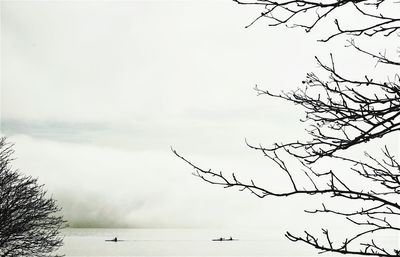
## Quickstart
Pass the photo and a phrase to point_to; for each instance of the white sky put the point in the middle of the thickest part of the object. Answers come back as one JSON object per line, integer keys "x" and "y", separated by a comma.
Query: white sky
{"x": 94, "y": 93}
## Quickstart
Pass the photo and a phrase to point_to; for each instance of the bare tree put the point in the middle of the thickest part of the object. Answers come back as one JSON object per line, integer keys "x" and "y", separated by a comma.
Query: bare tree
{"x": 308, "y": 14}
{"x": 342, "y": 113}
{"x": 29, "y": 221}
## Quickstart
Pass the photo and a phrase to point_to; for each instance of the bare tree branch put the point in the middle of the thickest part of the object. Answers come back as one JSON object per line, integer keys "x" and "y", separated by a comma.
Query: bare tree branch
{"x": 308, "y": 14}
{"x": 341, "y": 112}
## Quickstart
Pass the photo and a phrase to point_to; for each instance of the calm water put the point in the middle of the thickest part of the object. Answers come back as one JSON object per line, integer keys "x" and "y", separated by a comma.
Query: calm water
{"x": 181, "y": 242}
{"x": 178, "y": 242}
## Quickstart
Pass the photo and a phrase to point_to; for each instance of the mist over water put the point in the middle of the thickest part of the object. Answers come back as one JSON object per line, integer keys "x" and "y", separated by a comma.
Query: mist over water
{"x": 109, "y": 87}
{"x": 98, "y": 91}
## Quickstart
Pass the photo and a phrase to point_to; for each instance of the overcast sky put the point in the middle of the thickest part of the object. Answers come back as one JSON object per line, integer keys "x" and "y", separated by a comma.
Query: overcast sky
{"x": 94, "y": 94}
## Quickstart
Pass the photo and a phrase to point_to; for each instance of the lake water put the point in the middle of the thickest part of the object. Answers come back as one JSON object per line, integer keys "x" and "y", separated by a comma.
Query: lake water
{"x": 179, "y": 242}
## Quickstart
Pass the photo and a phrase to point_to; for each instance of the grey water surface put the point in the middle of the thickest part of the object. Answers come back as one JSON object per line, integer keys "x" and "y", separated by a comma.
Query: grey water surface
{"x": 179, "y": 242}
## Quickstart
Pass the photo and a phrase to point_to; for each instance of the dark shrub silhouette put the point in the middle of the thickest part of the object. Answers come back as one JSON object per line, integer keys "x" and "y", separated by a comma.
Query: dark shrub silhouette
{"x": 29, "y": 220}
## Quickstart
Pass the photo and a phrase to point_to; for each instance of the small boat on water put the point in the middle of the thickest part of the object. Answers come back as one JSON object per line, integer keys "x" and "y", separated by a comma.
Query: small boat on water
{"x": 115, "y": 239}
{"x": 225, "y": 239}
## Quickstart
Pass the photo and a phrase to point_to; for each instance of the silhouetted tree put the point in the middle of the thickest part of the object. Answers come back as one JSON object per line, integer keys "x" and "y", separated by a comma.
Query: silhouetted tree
{"x": 342, "y": 112}
{"x": 29, "y": 220}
